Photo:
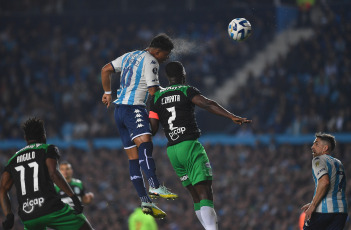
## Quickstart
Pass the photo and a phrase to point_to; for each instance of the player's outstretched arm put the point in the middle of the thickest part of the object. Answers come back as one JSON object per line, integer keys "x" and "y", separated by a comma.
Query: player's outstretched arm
{"x": 106, "y": 72}
{"x": 215, "y": 108}
{"x": 5, "y": 186}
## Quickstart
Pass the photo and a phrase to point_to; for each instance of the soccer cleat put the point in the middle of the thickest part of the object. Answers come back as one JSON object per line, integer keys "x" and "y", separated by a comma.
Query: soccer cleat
{"x": 153, "y": 210}
{"x": 163, "y": 192}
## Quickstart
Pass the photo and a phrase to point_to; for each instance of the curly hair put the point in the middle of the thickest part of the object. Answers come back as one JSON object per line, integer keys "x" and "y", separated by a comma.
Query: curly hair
{"x": 34, "y": 129}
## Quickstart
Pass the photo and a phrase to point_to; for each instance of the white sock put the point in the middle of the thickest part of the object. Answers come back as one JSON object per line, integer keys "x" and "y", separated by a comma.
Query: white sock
{"x": 209, "y": 218}
{"x": 198, "y": 214}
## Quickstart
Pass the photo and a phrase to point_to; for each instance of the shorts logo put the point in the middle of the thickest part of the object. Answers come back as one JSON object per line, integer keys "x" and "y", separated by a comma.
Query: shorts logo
{"x": 29, "y": 205}
{"x": 174, "y": 134}
{"x": 135, "y": 177}
{"x": 184, "y": 178}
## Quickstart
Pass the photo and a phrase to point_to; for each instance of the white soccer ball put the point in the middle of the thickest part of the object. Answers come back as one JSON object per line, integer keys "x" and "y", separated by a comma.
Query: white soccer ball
{"x": 239, "y": 29}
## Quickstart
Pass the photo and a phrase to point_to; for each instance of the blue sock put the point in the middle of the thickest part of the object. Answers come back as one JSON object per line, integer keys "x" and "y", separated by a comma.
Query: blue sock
{"x": 137, "y": 179}
{"x": 147, "y": 163}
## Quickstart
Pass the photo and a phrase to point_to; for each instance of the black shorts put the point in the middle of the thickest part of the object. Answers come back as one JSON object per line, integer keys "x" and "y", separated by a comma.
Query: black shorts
{"x": 326, "y": 221}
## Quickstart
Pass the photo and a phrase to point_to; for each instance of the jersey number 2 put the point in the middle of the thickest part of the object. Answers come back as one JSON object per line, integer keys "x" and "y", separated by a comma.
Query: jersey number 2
{"x": 172, "y": 117}
{"x": 21, "y": 169}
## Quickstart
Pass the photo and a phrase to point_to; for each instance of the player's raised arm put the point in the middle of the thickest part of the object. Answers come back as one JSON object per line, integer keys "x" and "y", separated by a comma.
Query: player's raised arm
{"x": 106, "y": 72}
{"x": 5, "y": 186}
{"x": 215, "y": 108}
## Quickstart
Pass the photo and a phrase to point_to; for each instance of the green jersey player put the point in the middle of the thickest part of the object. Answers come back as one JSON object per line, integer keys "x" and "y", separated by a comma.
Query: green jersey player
{"x": 174, "y": 106}
{"x": 33, "y": 170}
{"x": 76, "y": 185}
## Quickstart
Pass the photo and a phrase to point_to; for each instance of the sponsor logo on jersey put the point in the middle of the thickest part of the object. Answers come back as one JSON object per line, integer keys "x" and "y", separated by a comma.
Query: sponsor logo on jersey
{"x": 137, "y": 111}
{"x": 153, "y": 62}
{"x": 170, "y": 99}
{"x": 76, "y": 190}
{"x": 139, "y": 120}
{"x": 154, "y": 70}
{"x": 320, "y": 171}
{"x": 184, "y": 178}
{"x": 29, "y": 205}
{"x": 138, "y": 115}
{"x": 176, "y": 132}
{"x": 140, "y": 125}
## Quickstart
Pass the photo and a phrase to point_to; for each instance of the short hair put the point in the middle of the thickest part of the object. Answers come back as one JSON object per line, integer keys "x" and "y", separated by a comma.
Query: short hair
{"x": 34, "y": 129}
{"x": 175, "y": 69}
{"x": 330, "y": 139}
{"x": 65, "y": 163}
{"x": 163, "y": 42}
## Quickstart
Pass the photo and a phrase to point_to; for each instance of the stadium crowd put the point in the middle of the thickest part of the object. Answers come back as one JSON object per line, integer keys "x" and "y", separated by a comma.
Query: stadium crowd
{"x": 259, "y": 187}
{"x": 51, "y": 69}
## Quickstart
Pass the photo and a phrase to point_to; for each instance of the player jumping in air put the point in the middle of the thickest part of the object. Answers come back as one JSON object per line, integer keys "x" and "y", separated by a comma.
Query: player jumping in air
{"x": 139, "y": 78}
{"x": 34, "y": 170}
{"x": 174, "y": 106}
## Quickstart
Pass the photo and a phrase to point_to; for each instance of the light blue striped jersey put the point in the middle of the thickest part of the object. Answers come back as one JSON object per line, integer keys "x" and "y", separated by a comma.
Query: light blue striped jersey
{"x": 335, "y": 200}
{"x": 139, "y": 71}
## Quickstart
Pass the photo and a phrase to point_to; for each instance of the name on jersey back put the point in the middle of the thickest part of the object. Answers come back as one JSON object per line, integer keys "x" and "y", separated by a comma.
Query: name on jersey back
{"x": 26, "y": 157}
{"x": 170, "y": 99}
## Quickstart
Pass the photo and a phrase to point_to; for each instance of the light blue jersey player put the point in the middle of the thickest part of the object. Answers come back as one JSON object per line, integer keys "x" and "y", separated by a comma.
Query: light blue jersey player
{"x": 328, "y": 209}
{"x": 138, "y": 78}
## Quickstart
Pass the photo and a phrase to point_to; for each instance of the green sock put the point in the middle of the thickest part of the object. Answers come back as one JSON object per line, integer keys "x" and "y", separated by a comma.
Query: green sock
{"x": 197, "y": 206}
{"x": 208, "y": 203}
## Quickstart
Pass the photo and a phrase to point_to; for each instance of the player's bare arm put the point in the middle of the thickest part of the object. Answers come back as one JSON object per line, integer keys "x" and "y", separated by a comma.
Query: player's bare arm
{"x": 57, "y": 177}
{"x": 152, "y": 90}
{"x": 106, "y": 72}
{"x": 154, "y": 126}
{"x": 5, "y": 186}
{"x": 322, "y": 188}
{"x": 61, "y": 182}
{"x": 215, "y": 108}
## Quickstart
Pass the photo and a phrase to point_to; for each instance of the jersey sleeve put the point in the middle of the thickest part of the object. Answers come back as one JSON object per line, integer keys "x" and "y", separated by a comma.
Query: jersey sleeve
{"x": 192, "y": 91}
{"x": 151, "y": 68}
{"x": 319, "y": 167}
{"x": 153, "y": 111}
{"x": 53, "y": 152}
{"x": 117, "y": 64}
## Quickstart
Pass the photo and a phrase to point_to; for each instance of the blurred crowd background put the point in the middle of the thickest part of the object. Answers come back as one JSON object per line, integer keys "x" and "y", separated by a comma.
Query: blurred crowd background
{"x": 52, "y": 53}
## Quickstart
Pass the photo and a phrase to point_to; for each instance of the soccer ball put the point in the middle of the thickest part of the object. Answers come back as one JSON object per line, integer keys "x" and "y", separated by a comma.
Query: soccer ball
{"x": 239, "y": 29}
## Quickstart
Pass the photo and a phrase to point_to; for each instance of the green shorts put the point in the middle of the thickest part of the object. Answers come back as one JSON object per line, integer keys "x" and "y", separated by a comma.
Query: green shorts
{"x": 190, "y": 162}
{"x": 64, "y": 219}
